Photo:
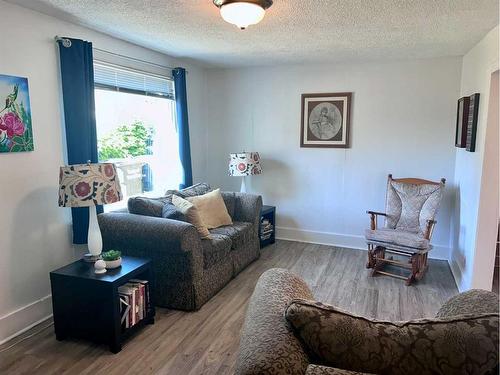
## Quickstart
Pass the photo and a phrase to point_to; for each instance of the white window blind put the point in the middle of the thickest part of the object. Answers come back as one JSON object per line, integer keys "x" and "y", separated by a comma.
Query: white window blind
{"x": 118, "y": 79}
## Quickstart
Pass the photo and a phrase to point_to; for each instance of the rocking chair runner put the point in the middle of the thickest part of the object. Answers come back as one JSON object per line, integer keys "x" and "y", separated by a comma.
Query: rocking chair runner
{"x": 411, "y": 206}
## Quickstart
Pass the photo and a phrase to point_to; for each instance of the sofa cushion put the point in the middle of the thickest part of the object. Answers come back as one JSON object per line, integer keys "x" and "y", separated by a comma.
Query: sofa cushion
{"x": 240, "y": 233}
{"x": 192, "y": 215}
{"x": 215, "y": 250}
{"x": 230, "y": 201}
{"x": 170, "y": 211}
{"x": 409, "y": 206}
{"x": 154, "y": 206}
{"x": 147, "y": 206}
{"x": 466, "y": 344}
{"x": 325, "y": 370}
{"x": 212, "y": 209}
{"x": 191, "y": 191}
{"x": 397, "y": 237}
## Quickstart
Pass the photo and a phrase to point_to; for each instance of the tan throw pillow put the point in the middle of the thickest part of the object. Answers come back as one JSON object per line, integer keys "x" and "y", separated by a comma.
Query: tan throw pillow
{"x": 192, "y": 215}
{"x": 212, "y": 209}
{"x": 463, "y": 344}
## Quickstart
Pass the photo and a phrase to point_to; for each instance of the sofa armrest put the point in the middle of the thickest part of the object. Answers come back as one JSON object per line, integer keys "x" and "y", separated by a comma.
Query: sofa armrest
{"x": 174, "y": 248}
{"x": 247, "y": 208}
{"x": 474, "y": 301}
{"x": 268, "y": 344}
{"x": 147, "y": 233}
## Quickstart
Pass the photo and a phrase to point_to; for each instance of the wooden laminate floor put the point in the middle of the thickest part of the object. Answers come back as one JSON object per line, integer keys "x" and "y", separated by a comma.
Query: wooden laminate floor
{"x": 206, "y": 341}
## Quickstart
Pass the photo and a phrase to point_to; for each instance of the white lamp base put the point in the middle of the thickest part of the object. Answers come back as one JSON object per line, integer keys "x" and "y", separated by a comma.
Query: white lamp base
{"x": 89, "y": 258}
{"x": 94, "y": 238}
{"x": 243, "y": 188}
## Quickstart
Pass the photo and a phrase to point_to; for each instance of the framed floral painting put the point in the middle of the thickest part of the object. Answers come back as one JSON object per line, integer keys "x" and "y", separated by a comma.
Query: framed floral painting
{"x": 16, "y": 134}
{"x": 325, "y": 120}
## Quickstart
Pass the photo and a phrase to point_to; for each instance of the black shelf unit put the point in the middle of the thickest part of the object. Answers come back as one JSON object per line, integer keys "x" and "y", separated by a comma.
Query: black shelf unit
{"x": 269, "y": 213}
{"x": 87, "y": 305}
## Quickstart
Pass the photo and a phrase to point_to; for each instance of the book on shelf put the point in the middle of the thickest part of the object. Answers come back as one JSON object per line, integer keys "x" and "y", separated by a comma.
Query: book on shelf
{"x": 134, "y": 302}
{"x": 146, "y": 301}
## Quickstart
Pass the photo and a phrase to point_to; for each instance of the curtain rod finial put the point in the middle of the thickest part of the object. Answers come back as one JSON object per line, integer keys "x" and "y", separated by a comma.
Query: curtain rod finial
{"x": 64, "y": 41}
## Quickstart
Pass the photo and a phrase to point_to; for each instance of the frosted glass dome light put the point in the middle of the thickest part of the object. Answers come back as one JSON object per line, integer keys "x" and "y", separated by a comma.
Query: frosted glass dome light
{"x": 242, "y": 14}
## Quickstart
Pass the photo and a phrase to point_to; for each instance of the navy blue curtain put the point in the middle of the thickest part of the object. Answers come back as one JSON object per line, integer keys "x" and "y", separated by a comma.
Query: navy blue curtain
{"x": 77, "y": 76}
{"x": 179, "y": 75}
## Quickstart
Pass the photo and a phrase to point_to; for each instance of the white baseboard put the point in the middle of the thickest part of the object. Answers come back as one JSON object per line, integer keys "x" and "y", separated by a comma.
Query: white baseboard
{"x": 24, "y": 318}
{"x": 342, "y": 240}
{"x": 457, "y": 273}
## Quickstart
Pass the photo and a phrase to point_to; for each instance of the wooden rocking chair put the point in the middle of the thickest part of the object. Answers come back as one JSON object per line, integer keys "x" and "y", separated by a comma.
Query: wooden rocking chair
{"x": 411, "y": 206}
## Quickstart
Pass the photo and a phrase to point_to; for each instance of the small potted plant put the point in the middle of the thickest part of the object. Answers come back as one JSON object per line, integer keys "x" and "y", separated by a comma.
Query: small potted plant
{"x": 113, "y": 259}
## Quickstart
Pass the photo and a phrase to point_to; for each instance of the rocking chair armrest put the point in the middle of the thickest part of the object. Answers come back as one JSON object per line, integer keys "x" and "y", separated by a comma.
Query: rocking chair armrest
{"x": 376, "y": 213}
{"x": 373, "y": 218}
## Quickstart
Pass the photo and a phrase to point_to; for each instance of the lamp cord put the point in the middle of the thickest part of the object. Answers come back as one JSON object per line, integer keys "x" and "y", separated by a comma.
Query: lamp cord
{"x": 26, "y": 337}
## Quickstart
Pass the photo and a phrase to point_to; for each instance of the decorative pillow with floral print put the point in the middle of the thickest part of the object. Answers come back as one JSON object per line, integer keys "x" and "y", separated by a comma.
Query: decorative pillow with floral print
{"x": 464, "y": 344}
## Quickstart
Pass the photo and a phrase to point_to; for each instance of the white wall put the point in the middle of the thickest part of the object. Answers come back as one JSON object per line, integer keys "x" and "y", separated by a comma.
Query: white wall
{"x": 403, "y": 121}
{"x": 34, "y": 231}
{"x": 475, "y": 230}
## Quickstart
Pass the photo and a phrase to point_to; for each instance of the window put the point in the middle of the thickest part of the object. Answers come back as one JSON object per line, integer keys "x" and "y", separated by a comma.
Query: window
{"x": 136, "y": 130}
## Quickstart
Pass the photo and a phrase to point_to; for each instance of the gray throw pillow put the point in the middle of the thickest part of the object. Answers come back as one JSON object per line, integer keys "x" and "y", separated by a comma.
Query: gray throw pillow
{"x": 172, "y": 212}
{"x": 148, "y": 206}
{"x": 154, "y": 206}
{"x": 191, "y": 191}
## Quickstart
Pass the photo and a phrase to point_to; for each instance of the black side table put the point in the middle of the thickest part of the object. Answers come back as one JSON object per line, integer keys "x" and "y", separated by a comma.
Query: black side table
{"x": 87, "y": 305}
{"x": 267, "y": 227}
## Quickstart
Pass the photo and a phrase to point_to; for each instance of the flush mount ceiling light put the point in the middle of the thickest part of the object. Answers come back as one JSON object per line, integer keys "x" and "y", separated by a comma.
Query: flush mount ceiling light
{"x": 243, "y": 13}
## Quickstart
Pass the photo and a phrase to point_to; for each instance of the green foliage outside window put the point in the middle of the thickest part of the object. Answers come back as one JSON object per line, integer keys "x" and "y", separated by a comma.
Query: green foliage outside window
{"x": 126, "y": 141}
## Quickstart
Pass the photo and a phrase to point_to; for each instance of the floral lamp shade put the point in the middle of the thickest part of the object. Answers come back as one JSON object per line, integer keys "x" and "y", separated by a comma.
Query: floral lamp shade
{"x": 244, "y": 164}
{"x": 85, "y": 185}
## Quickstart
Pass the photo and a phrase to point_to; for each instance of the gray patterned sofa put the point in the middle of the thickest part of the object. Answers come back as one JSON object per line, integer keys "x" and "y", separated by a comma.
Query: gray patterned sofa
{"x": 188, "y": 271}
{"x": 286, "y": 332}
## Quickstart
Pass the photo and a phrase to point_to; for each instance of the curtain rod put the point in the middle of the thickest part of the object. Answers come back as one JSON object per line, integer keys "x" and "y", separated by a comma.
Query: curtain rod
{"x": 67, "y": 43}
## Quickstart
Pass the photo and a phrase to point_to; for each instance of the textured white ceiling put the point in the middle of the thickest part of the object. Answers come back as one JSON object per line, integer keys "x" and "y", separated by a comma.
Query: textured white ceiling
{"x": 293, "y": 31}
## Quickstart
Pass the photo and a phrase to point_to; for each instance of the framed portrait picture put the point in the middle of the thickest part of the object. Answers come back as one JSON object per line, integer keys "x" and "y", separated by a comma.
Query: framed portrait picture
{"x": 462, "y": 120}
{"x": 325, "y": 120}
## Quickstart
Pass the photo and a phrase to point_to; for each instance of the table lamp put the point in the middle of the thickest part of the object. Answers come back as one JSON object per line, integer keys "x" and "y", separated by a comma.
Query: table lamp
{"x": 89, "y": 185}
{"x": 244, "y": 164}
